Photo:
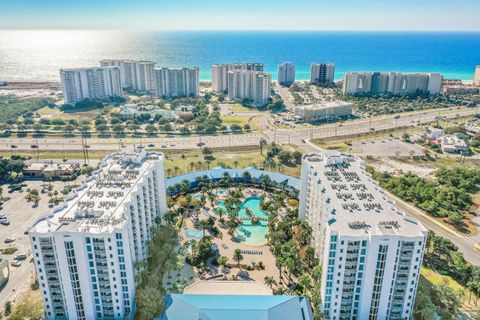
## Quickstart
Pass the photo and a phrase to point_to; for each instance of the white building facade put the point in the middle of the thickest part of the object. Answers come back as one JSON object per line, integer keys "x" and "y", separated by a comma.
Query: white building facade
{"x": 476, "y": 77}
{"x": 395, "y": 83}
{"x": 136, "y": 75}
{"x": 96, "y": 82}
{"x": 220, "y": 73}
{"x": 251, "y": 85}
{"x": 84, "y": 251}
{"x": 323, "y": 111}
{"x": 322, "y": 73}
{"x": 286, "y": 73}
{"x": 370, "y": 252}
{"x": 177, "y": 82}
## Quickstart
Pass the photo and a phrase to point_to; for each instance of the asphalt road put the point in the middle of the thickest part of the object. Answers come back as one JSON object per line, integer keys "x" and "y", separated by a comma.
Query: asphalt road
{"x": 270, "y": 133}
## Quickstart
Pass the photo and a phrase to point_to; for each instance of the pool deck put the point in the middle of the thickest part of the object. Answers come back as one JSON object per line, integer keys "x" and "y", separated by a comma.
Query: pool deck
{"x": 228, "y": 287}
{"x": 226, "y": 247}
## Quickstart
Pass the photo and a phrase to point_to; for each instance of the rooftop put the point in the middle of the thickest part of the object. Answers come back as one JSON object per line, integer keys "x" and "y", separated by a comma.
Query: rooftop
{"x": 325, "y": 105}
{"x": 236, "y": 307}
{"x": 97, "y": 205}
{"x": 359, "y": 206}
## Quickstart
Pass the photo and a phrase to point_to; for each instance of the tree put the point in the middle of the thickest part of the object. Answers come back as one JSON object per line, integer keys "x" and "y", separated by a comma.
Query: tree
{"x": 8, "y": 308}
{"x": 237, "y": 256}
{"x": 269, "y": 281}
{"x": 223, "y": 261}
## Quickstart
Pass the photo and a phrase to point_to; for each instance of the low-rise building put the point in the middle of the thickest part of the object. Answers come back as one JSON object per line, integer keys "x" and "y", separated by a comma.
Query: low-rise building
{"x": 434, "y": 133}
{"x": 323, "y": 111}
{"x": 452, "y": 144}
{"x": 460, "y": 89}
{"x": 131, "y": 111}
{"x": 50, "y": 169}
{"x": 219, "y": 300}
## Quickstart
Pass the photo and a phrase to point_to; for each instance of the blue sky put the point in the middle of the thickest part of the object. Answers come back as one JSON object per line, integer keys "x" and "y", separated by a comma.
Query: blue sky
{"x": 242, "y": 14}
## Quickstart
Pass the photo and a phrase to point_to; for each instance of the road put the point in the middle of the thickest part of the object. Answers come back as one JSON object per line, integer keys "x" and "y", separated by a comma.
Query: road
{"x": 271, "y": 134}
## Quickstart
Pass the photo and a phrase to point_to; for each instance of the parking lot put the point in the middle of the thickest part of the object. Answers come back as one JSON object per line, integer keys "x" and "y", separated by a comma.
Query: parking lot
{"x": 21, "y": 214}
{"x": 388, "y": 147}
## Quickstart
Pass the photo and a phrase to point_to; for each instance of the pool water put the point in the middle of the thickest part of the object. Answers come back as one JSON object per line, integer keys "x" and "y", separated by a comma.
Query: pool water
{"x": 198, "y": 197}
{"x": 252, "y": 234}
{"x": 194, "y": 234}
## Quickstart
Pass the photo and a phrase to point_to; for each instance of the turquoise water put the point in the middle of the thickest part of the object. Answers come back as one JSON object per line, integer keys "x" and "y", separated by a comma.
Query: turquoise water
{"x": 194, "y": 234}
{"x": 252, "y": 234}
{"x": 39, "y": 54}
{"x": 198, "y": 197}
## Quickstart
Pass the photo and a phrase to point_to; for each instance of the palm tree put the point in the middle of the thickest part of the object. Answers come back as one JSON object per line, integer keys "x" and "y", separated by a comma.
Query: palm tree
{"x": 175, "y": 169}
{"x": 237, "y": 256}
{"x": 192, "y": 165}
{"x": 269, "y": 281}
{"x": 305, "y": 282}
{"x": 235, "y": 164}
{"x": 169, "y": 172}
{"x": 204, "y": 225}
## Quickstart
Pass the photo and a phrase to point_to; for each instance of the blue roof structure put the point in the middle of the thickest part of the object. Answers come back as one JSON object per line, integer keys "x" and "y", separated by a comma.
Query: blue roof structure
{"x": 218, "y": 173}
{"x": 236, "y": 307}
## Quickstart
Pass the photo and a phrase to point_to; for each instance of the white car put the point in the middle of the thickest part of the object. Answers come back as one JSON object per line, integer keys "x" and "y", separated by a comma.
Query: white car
{"x": 8, "y": 240}
{"x": 16, "y": 263}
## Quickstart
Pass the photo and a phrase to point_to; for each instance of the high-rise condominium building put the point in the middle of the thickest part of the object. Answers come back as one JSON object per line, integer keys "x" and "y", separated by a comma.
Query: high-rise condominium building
{"x": 370, "y": 251}
{"x": 96, "y": 82}
{"x": 396, "y": 83}
{"x": 177, "y": 82}
{"x": 322, "y": 73}
{"x": 476, "y": 79}
{"x": 252, "y": 85}
{"x": 286, "y": 73}
{"x": 220, "y": 73}
{"x": 136, "y": 75}
{"x": 85, "y": 249}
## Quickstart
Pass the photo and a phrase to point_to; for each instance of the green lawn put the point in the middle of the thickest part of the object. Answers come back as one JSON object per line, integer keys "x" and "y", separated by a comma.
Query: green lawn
{"x": 240, "y": 120}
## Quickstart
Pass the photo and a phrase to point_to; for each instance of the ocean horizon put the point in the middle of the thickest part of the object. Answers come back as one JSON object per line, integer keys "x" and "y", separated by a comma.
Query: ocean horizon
{"x": 38, "y": 55}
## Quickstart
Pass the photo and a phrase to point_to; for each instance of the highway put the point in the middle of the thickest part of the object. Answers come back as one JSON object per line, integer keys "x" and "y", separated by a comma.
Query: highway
{"x": 269, "y": 132}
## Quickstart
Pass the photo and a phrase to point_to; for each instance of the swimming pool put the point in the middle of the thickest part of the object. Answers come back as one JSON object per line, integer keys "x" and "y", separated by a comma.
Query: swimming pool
{"x": 253, "y": 234}
{"x": 194, "y": 234}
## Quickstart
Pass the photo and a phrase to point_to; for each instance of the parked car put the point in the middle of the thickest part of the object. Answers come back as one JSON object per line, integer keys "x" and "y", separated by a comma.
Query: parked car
{"x": 2, "y": 216}
{"x": 5, "y": 222}
{"x": 8, "y": 240}
{"x": 16, "y": 263}
{"x": 21, "y": 256}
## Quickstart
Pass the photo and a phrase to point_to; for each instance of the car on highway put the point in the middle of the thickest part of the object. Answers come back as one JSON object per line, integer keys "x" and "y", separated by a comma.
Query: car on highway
{"x": 151, "y": 145}
{"x": 164, "y": 146}
{"x": 13, "y": 146}
{"x": 9, "y": 240}
{"x": 16, "y": 263}
{"x": 34, "y": 146}
{"x": 5, "y": 222}
{"x": 200, "y": 144}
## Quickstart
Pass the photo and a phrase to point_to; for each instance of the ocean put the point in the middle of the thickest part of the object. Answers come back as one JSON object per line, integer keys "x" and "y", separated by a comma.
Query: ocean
{"x": 39, "y": 54}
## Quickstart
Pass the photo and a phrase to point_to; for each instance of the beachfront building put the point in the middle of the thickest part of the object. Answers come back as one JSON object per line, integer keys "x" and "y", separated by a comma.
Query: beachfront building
{"x": 476, "y": 78}
{"x": 94, "y": 83}
{"x": 286, "y": 73}
{"x": 85, "y": 250}
{"x": 220, "y": 73}
{"x": 177, "y": 82}
{"x": 460, "y": 89}
{"x": 395, "y": 83}
{"x": 251, "y": 85}
{"x": 324, "y": 111}
{"x": 136, "y": 75}
{"x": 370, "y": 251}
{"x": 322, "y": 73}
